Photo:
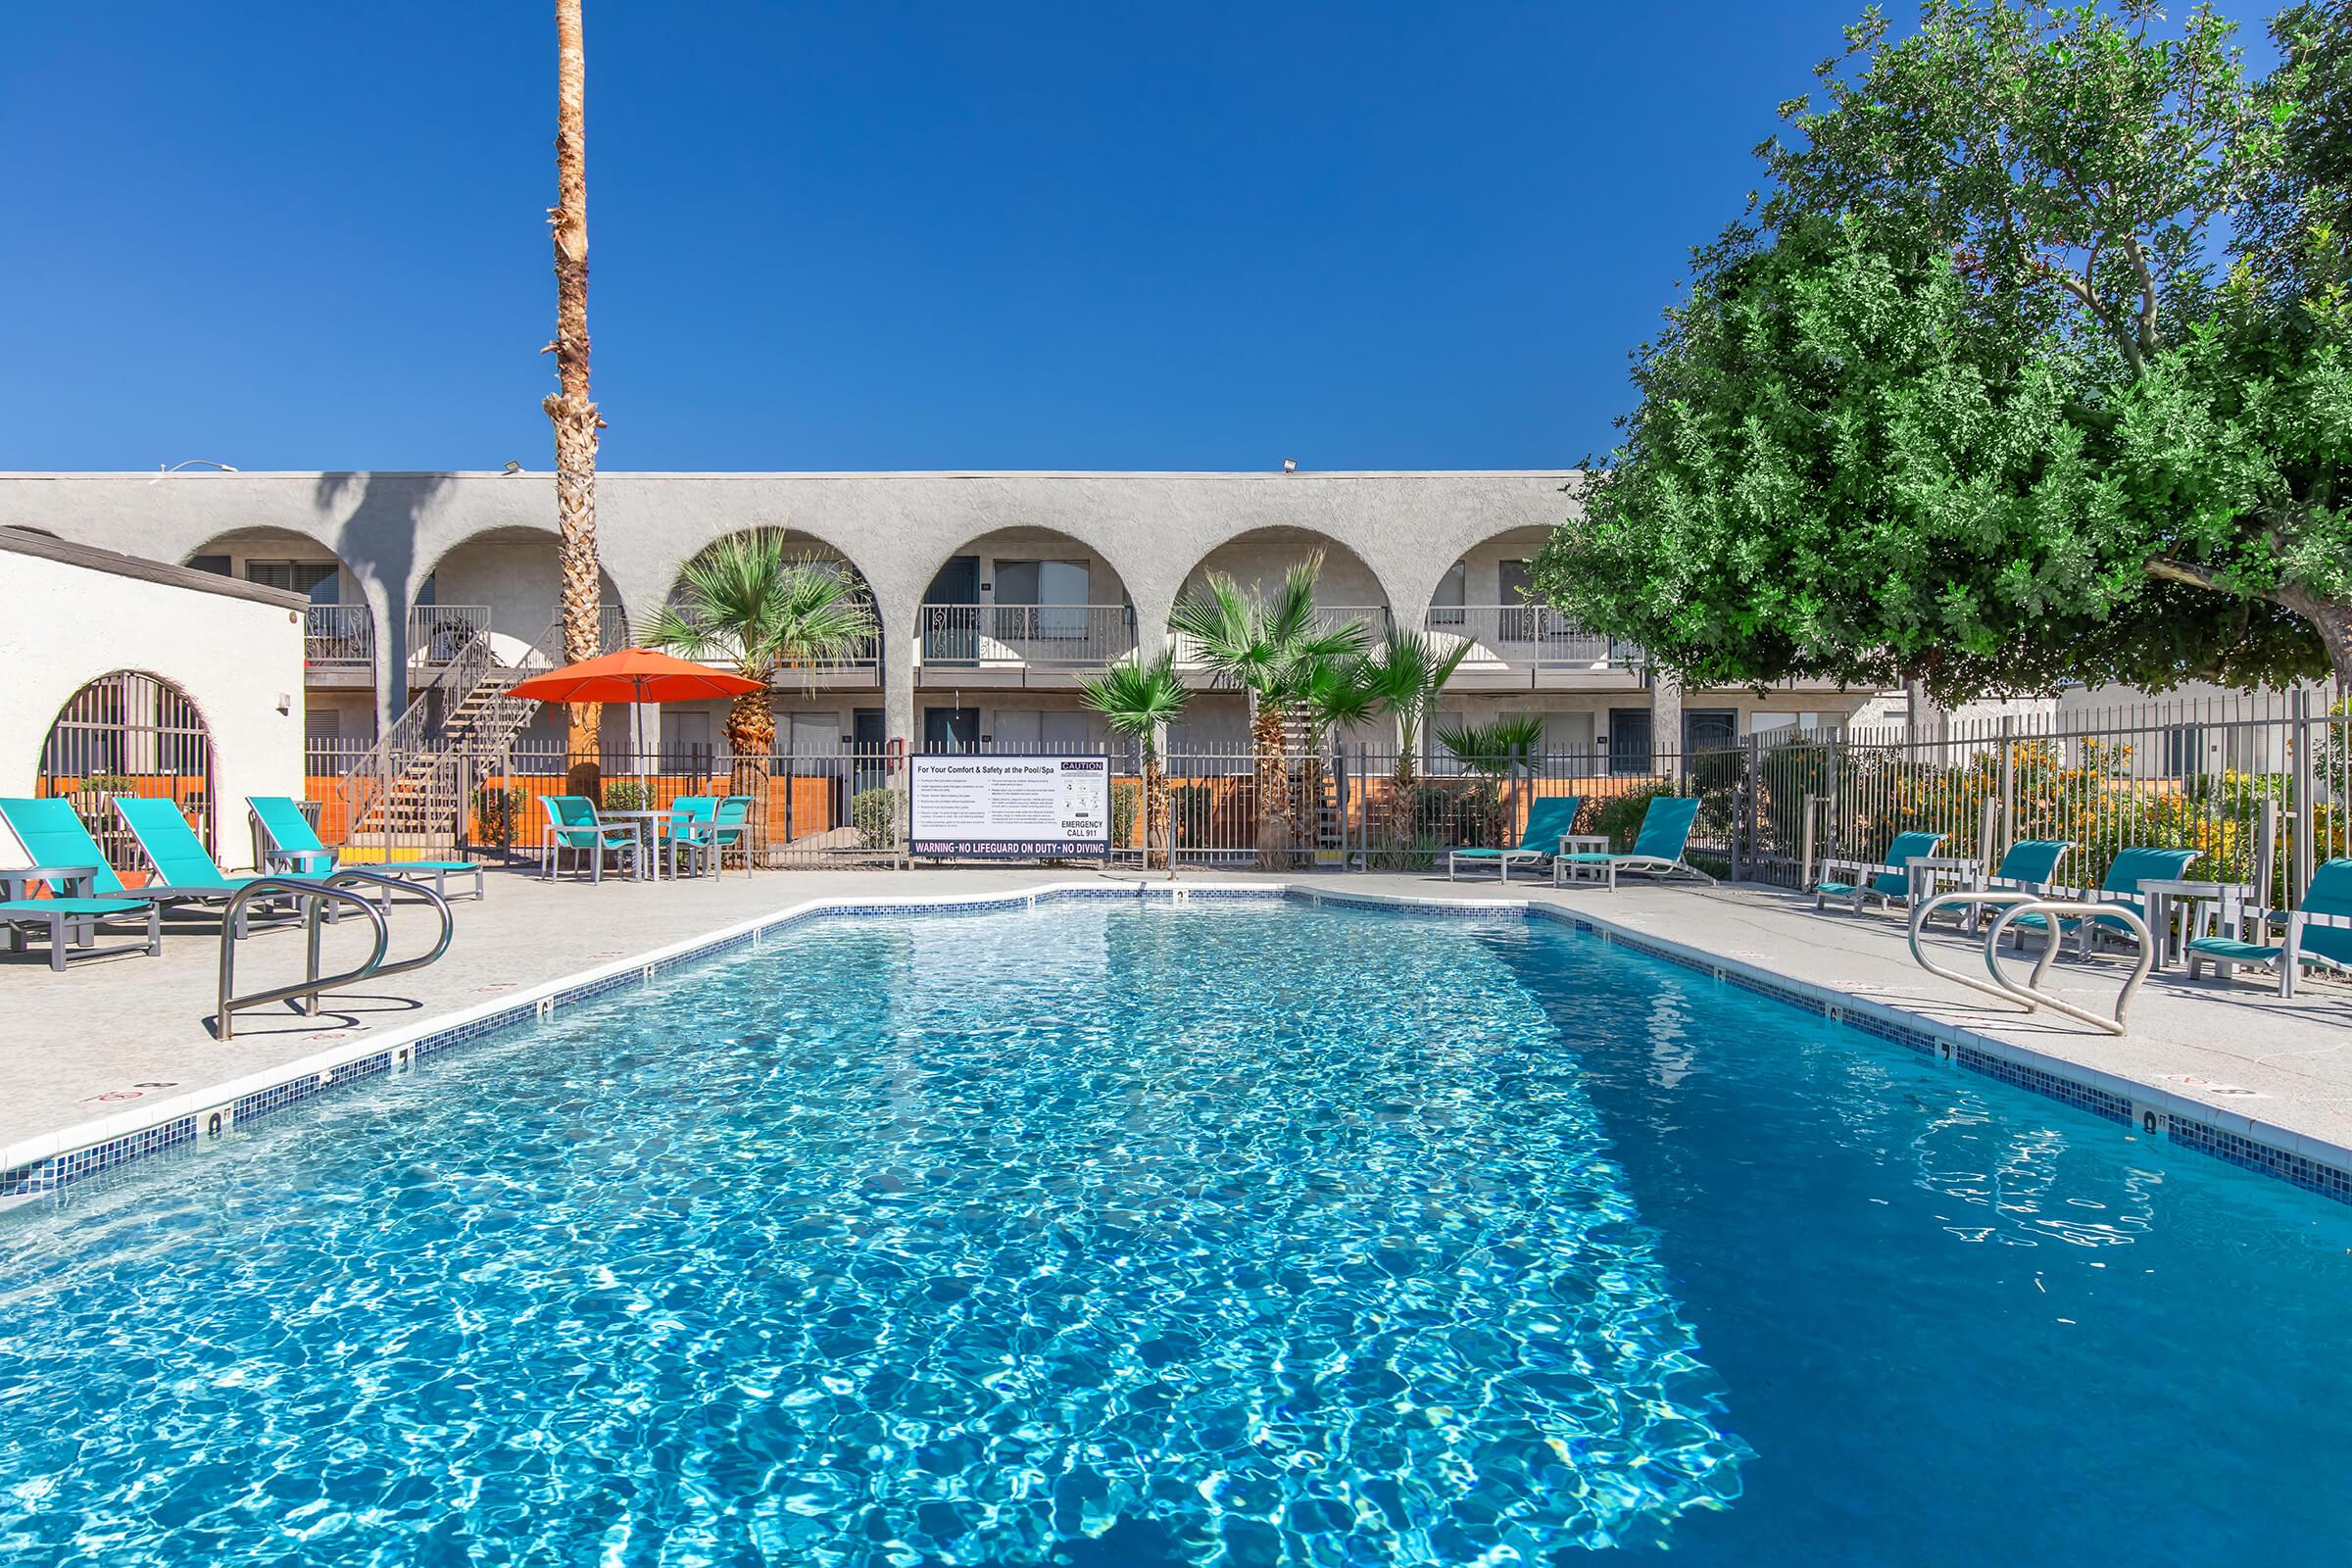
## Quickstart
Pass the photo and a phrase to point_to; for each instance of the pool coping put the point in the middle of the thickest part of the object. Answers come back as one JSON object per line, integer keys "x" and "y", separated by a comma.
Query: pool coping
{"x": 40, "y": 1166}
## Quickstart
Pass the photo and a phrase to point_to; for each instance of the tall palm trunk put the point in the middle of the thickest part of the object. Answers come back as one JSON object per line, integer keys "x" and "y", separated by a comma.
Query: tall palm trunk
{"x": 752, "y": 740}
{"x": 569, "y": 407}
{"x": 1160, "y": 822}
{"x": 1272, "y": 748}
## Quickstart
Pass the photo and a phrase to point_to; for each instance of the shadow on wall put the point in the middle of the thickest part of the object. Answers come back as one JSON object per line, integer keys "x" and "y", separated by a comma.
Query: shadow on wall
{"x": 381, "y": 516}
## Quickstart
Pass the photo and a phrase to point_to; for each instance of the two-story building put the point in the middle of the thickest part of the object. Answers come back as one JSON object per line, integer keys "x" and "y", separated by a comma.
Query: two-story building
{"x": 993, "y": 591}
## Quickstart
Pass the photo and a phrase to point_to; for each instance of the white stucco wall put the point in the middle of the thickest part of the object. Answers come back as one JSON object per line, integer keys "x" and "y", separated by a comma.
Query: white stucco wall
{"x": 237, "y": 658}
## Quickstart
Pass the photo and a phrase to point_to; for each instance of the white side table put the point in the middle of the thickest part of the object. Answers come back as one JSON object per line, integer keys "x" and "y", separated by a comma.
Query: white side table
{"x": 2231, "y": 898}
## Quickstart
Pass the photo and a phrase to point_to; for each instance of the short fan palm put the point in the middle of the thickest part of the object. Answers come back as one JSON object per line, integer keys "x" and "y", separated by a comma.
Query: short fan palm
{"x": 1135, "y": 700}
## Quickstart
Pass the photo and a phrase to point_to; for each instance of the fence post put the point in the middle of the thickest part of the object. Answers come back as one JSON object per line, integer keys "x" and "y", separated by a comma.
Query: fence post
{"x": 2306, "y": 809}
{"x": 1804, "y": 843}
{"x": 2008, "y": 781}
{"x": 2266, "y": 860}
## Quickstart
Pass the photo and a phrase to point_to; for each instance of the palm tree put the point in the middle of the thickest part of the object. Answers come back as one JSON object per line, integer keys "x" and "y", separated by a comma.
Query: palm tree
{"x": 1135, "y": 700}
{"x": 748, "y": 604}
{"x": 569, "y": 407}
{"x": 1265, "y": 646}
{"x": 1404, "y": 676}
{"x": 1496, "y": 752}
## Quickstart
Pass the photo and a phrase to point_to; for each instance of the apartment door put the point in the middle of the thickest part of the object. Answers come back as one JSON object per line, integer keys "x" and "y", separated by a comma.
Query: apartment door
{"x": 870, "y": 739}
{"x": 1708, "y": 728}
{"x": 951, "y": 614}
{"x": 1628, "y": 740}
{"x": 950, "y": 729}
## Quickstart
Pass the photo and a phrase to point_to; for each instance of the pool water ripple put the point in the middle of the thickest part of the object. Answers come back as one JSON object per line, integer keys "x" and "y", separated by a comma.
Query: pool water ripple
{"x": 1090, "y": 1235}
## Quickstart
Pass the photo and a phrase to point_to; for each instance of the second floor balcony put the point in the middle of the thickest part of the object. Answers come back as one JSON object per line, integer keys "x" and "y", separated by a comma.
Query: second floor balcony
{"x": 1013, "y": 645}
{"x": 1532, "y": 646}
{"x": 338, "y": 646}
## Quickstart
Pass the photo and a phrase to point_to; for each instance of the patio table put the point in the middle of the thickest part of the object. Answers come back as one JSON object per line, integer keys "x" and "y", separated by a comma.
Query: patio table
{"x": 647, "y": 826}
{"x": 81, "y": 881}
{"x": 2234, "y": 898}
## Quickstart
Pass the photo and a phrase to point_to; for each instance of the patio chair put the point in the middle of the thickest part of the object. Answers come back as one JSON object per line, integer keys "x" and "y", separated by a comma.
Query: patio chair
{"x": 1550, "y": 819}
{"x": 1657, "y": 848}
{"x": 731, "y": 829}
{"x": 2119, "y": 887}
{"x": 2318, "y": 934}
{"x": 285, "y": 842}
{"x": 2026, "y": 867}
{"x": 1889, "y": 881}
{"x": 572, "y": 824}
{"x": 690, "y": 818}
{"x": 178, "y": 856}
{"x": 51, "y": 834}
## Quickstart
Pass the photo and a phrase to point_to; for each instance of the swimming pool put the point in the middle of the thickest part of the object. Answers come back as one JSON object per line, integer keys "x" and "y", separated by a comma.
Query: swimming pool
{"x": 1129, "y": 1233}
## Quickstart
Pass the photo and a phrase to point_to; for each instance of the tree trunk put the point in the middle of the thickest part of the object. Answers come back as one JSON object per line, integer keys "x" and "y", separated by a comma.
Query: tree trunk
{"x": 752, "y": 740}
{"x": 1160, "y": 823}
{"x": 1273, "y": 786}
{"x": 569, "y": 407}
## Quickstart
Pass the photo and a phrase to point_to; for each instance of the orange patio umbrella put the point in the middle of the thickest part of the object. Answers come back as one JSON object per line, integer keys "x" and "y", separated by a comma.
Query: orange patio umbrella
{"x": 634, "y": 676}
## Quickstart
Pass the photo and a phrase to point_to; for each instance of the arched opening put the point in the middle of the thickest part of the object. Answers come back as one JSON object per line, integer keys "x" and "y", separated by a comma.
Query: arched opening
{"x": 822, "y": 707}
{"x": 1019, "y": 610}
{"x": 1487, "y": 599}
{"x": 128, "y": 733}
{"x": 507, "y": 583}
{"x": 1257, "y": 562}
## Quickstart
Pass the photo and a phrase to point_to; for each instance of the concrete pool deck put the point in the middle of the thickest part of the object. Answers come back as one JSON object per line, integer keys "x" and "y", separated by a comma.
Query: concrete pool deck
{"x": 114, "y": 1036}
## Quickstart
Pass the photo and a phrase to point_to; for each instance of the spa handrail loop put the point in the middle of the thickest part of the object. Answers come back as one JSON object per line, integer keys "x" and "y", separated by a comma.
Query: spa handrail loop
{"x": 314, "y": 894}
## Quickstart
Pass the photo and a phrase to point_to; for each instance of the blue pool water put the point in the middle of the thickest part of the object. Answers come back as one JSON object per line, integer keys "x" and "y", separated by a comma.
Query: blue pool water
{"x": 1117, "y": 1234}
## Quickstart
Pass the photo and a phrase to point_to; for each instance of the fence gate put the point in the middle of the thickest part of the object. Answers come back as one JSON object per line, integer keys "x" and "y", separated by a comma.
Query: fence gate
{"x": 129, "y": 734}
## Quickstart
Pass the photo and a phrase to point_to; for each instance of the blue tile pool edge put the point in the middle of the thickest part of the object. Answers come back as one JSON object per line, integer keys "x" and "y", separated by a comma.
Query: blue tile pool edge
{"x": 43, "y": 1167}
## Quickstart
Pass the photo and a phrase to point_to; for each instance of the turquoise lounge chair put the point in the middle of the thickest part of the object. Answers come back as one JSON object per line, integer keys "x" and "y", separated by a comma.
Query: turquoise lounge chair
{"x": 178, "y": 856}
{"x": 1550, "y": 819}
{"x": 2119, "y": 887}
{"x": 730, "y": 829}
{"x": 285, "y": 841}
{"x": 1657, "y": 848}
{"x": 52, "y": 835}
{"x": 572, "y": 824}
{"x": 1889, "y": 880}
{"x": 2026, "y": 867}
{"x": 2319, "y": 934}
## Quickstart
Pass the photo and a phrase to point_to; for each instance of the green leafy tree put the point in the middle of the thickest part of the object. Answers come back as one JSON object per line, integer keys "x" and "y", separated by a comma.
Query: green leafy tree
{"x": 1138, "y": 700}
{"x": 1968, "y": 397}
{"x": 1266, "y": 646}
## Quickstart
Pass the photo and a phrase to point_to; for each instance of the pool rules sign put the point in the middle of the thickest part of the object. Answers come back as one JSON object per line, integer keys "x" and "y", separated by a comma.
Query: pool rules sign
{"x": 1008, "y": 808}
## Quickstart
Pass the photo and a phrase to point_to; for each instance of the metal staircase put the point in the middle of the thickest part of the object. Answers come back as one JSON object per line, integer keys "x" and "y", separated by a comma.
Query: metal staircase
{"x": 412, "y": 786}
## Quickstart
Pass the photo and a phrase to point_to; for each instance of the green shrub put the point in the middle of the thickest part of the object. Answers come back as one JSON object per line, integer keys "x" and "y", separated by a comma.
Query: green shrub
{"x": 628, "y": 796}
{"x": 874, "y": 813}
{"x": 1126, "y": 801}
{"x": 1620, "y": 816}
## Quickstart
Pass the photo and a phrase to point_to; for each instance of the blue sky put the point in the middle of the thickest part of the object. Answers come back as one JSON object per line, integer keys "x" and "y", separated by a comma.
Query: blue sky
{"x": 882, "y": 236}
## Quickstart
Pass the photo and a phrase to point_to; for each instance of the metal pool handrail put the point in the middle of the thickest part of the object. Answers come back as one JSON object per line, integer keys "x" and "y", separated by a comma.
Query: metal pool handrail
{"x": 2016, "y": 904}
{"x": 314, "y": 895}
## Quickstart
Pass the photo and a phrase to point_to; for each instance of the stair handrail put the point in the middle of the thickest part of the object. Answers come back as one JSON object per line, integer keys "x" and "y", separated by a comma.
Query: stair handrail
{"x": 389, "y": 757}
{"x": 2013, "y": 907}
{"x": 227, "y": 1003}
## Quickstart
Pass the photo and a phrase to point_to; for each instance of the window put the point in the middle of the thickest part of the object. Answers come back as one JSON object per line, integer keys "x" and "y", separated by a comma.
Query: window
{"x": 1522, "y": 621}
{"x": 1048, "y": 730}
{"x": 1706, "y": 728}
{"x": 2184, "y": 749}
{"x": 215, "y": 564}
{"x": 317, "y": 578}
{"x": 1062, "y": 586}
{"x": 813, "y": 734}
{"x": 1446, "y": 605}
{"x": 685, "y": 732}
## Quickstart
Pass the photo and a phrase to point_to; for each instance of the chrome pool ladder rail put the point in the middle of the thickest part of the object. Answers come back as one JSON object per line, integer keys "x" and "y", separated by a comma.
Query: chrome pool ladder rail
{"x": 314, "y": 894}
{"x": 2014, "y": 905}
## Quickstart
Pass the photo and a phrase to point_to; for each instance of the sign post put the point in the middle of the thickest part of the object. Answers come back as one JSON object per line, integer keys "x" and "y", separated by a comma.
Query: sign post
{"x": 1008, "y": 808}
